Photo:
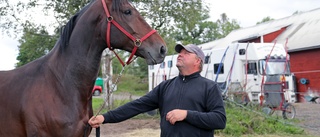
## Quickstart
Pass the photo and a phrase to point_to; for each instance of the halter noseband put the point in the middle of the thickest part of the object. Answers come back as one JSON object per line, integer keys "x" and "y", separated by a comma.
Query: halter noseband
{"x": 137, "y": 42}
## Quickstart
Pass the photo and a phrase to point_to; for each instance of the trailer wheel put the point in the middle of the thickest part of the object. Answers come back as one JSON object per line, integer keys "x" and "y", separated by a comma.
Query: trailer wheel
{"x": 289, "y": 112}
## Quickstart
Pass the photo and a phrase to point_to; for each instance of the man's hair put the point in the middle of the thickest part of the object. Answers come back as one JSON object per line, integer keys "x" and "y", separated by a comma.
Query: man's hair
{"x": 201, "y": 65}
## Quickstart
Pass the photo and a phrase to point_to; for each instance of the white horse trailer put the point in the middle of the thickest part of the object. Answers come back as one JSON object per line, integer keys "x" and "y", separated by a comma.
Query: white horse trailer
{"x": 238, "y": 68}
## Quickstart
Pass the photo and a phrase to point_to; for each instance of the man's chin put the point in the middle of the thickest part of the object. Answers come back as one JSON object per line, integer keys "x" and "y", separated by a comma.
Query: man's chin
{"x": 178, "y": 65}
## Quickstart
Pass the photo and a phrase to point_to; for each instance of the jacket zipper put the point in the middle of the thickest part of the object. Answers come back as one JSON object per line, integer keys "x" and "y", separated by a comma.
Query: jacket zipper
{"x": 180, "y": 92}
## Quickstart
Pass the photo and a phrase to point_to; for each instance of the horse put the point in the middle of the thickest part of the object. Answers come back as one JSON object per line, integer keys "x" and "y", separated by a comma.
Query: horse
{"x": 51, "y": 96}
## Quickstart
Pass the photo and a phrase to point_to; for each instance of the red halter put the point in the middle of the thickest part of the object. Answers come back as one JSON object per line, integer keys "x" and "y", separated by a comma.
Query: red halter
{"x": 137, "y": 42}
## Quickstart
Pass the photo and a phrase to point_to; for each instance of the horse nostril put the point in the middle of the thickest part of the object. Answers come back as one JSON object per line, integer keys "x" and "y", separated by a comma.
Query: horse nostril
{"x": 163, "y": 50}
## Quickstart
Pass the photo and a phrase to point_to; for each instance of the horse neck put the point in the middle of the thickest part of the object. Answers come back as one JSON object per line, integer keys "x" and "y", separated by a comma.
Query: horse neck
{"x": 77, "y": 64}
{"x": 79, "y": 60}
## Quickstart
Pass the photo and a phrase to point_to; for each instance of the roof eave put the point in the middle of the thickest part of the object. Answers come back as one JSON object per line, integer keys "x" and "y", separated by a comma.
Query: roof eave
{"x": 304, "y": 48}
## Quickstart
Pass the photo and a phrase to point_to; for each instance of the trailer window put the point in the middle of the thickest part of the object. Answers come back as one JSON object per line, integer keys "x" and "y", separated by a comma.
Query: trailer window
{"x": 207, "y": 59}
{"x": 162, "y": 65}
{"x": 151, "y": 67}
{"x": 170, "y": 64}
{"x": 252, "y": 68}
{"x": 216, "y": 68}
{"x": 274, "y": 67}
{"x": 242, "y": 51}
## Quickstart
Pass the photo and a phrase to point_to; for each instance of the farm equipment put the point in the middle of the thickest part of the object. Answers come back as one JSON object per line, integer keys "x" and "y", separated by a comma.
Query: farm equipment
{"x": 273, "y": 97}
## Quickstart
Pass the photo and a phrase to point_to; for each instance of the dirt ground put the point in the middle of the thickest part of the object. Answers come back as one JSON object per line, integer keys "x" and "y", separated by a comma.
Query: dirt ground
{"x": 130, "y": 128}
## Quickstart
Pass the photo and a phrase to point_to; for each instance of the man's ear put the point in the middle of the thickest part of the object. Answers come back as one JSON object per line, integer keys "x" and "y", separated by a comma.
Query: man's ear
{"x": 199, "y": 60}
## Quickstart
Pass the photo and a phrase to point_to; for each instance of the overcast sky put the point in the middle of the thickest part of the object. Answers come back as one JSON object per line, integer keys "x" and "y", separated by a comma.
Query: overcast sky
{"x": 245, "y": 12}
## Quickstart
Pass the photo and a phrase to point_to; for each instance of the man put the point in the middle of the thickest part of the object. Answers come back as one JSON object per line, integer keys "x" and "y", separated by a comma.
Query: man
{"x": 189, "y": 104}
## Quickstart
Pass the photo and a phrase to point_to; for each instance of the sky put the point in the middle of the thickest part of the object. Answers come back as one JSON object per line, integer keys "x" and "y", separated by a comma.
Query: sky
{"x": 246, "y": 12}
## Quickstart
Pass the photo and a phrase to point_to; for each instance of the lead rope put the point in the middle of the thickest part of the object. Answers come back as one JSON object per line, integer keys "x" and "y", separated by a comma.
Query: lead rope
{"x": 114, "y": 85}
{"x": 105, "y": 100}
{"x": 108, "y": 96}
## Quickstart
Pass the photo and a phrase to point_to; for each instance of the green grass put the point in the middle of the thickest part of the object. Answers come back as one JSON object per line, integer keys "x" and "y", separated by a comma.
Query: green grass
{"x": 133, "y": 85}
{"x": 251, "y": 122}
{"x": 96, "y": 105}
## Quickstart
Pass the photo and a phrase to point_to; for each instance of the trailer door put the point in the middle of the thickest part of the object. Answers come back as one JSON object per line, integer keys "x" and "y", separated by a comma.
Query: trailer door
{"x": 252, "y": 80}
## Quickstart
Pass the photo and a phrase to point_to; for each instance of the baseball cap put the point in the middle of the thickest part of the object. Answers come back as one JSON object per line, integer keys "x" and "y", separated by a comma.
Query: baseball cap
{"x": 191, "y": 48}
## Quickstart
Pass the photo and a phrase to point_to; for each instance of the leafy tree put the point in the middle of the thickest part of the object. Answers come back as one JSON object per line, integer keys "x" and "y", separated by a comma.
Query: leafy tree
{"x": 226, "y": 26}
{"x": 34, "y": 43}
{"x": 141, "y": 68}
{"x": 17, "y": 15}
{"x": 184, "y": 21}
{"x": 191, "y": 23}
{"x": 159, "y": 14}
{"x": 266, "y": 19}
{"x": 179, "y": 20}
{"x": 63, "y": 9}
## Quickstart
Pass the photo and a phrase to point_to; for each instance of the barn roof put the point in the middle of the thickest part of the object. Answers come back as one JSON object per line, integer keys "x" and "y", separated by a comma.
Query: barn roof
{"x": 302, "y": 31}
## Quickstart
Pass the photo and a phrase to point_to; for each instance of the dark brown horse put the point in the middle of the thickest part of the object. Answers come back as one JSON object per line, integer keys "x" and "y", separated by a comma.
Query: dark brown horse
{"x": 51, "y": 96}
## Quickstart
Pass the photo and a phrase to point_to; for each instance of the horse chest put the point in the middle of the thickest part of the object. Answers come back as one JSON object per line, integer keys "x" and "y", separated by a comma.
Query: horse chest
{"x": 45, "y": 117}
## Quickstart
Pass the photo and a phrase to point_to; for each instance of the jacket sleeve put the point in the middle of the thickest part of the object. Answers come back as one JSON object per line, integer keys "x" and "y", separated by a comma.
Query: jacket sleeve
{"x": 215, "y": 118}
{"x": 145, "y": 103}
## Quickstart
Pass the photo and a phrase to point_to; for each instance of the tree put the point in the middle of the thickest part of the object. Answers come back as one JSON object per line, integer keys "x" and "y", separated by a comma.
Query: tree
{"x": 159, "y": 14}
{"x": 226, "y": 26}
{"x": 185, "y": 21}
{"x": 34, "y": 43}
{"x": 266, "y": 19}
{"x": 140, "y": 68}
{"x": 17, "y": 16}
{"x": 191, "y": 23}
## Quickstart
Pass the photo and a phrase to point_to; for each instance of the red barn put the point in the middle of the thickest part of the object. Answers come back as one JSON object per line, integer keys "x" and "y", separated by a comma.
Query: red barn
{"x": 305, "y": 64}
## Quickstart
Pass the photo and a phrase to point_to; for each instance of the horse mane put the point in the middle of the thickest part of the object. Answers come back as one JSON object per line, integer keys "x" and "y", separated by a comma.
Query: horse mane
{"x": 67, "y": 30}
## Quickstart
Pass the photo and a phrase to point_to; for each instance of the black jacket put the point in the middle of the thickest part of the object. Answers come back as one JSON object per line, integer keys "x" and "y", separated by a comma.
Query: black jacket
{"x": 200, "y": 96}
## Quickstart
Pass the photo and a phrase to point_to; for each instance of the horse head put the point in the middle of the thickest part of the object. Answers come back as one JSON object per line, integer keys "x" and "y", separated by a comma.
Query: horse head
{"x": 126, "y": 29}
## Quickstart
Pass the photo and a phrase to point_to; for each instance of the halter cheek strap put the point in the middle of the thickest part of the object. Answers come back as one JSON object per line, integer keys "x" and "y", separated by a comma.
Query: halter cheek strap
{"x": 137, "y": 42}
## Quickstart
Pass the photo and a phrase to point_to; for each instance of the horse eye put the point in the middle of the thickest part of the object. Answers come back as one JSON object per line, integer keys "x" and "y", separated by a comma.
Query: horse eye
{"x": 127, "y": 12}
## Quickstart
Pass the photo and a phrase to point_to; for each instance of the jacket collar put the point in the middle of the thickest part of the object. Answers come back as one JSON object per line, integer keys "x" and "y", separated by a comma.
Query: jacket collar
{"x": 188, "y": 77}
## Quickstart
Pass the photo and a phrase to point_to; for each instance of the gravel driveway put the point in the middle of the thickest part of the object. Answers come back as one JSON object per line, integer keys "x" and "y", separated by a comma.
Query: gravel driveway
{"x": 309, "y": 116}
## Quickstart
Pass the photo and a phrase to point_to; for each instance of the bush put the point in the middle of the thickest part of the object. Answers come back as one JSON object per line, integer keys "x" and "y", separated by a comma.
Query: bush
{"x": 249, "y": 121}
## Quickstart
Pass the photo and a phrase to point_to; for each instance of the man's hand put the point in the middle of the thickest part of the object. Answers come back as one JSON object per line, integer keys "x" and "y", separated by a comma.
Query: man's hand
{"x": 96, "y": 121}
{"x": 176, "y": 115}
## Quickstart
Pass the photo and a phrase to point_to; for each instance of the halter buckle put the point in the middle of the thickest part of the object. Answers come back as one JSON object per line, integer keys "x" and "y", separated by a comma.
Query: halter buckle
{"x": 110, "y": 18}
{"x": 137, "y": 42}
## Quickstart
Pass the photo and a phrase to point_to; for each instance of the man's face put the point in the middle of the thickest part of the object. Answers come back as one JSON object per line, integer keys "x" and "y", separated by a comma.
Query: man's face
{"x": 186, "y": 59}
